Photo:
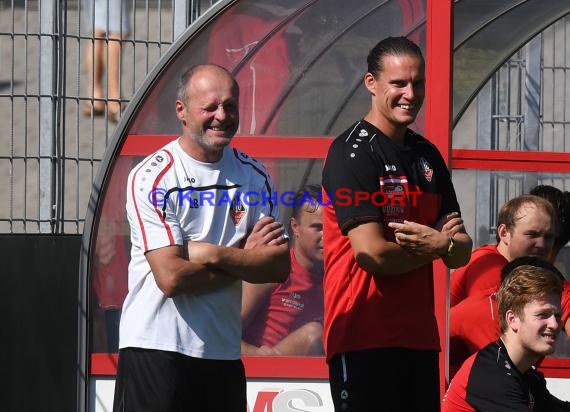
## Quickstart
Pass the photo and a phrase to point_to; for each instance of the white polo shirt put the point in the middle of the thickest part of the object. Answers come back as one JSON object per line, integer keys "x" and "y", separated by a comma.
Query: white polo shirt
{"x": 172, "y": 198}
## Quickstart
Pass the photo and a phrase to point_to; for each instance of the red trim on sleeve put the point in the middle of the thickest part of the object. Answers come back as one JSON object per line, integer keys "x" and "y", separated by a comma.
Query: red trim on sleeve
{"x": 158, "y": 211}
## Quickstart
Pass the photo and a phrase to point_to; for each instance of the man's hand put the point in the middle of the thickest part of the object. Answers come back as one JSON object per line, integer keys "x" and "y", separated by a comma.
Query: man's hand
{"x": 452, "y": 224}
{"x": 263, "y": 259}
{"x": 266, "y": 232}
{"x": 420, "y": 239}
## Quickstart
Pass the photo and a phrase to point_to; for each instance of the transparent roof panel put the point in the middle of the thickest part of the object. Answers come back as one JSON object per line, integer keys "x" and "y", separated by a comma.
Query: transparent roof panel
{"x": 469, "y": 16}
{"x": 299, "y": 64}
{"x": 489, "y": 32}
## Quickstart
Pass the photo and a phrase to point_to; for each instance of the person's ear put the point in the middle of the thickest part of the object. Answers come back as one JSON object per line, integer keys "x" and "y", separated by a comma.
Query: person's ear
{"x": 503, "y": 233}
{"x": 512, "y": 320}
{"x": 180, "y": 111}
{"x": 370, "y": 83}
{"x": 295, "y": 227}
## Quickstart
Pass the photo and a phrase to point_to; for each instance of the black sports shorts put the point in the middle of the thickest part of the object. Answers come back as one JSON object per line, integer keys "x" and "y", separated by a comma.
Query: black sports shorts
{"x": 160, "y": 381}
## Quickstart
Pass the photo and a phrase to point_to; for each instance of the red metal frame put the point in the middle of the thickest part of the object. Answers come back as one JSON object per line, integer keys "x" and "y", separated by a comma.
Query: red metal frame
{"x": 280, "y": 147}
{"x": 439, "y": 54}
{"x": 105, "y": 364}
{"x": 511, "y": 160}
{"x": 555, "y": 367}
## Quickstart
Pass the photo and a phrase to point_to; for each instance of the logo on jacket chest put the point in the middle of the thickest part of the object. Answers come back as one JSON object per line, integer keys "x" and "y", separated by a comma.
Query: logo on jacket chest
{"x": 237, "y": 210}
{"x": 427, "y": 169}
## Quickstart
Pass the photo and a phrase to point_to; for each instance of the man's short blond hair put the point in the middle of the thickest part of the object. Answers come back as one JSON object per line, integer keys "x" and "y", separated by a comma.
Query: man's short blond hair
{"x": 523, "y": 285}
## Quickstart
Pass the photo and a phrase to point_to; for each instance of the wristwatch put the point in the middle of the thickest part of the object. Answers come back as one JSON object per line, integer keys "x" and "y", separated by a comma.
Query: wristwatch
{"x": 450, "y": 248}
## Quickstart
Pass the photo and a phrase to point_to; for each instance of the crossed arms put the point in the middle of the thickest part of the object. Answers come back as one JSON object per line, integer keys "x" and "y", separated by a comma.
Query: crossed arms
{"x": 416, "y": 245}
{"x": 201, "y": 267}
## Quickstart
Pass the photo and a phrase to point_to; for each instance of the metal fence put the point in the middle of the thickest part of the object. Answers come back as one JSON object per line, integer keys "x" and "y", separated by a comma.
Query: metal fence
{"x": 55, "y": 123}
{"x": 523, "y": 107}
{"x": 50, "y": 148}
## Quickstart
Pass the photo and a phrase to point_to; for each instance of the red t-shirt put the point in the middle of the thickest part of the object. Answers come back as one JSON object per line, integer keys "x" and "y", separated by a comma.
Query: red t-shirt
{"x": 473, "y": 324}
{"x": 483, "y": 272}
{"x": 292, "y": 304}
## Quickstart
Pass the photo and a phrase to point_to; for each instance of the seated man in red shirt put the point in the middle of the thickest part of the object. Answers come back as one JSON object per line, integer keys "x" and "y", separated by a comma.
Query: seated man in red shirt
{"x": 480, "y": 308}
{"x": 286, "y": 318}
{"x": 502, "y": 376}
{"x": 525, "y": 226}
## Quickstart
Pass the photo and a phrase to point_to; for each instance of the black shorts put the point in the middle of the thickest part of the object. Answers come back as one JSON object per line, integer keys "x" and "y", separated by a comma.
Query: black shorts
{"x": 159, "y": 381}
{"x": 387, "y": 380}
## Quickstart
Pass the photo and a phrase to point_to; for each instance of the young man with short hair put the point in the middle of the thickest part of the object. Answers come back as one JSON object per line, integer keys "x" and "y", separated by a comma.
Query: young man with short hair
{"x": 502, "y": 375}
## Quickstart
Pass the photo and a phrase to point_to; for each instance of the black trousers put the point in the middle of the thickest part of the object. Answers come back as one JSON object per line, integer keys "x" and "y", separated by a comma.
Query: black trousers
{"x": 386, "y": 380}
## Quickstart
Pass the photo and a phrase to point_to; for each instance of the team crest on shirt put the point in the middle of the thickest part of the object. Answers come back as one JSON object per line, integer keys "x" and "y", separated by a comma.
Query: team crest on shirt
{"x": 427, "y": 169}
{"x": 237, "y": 210}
